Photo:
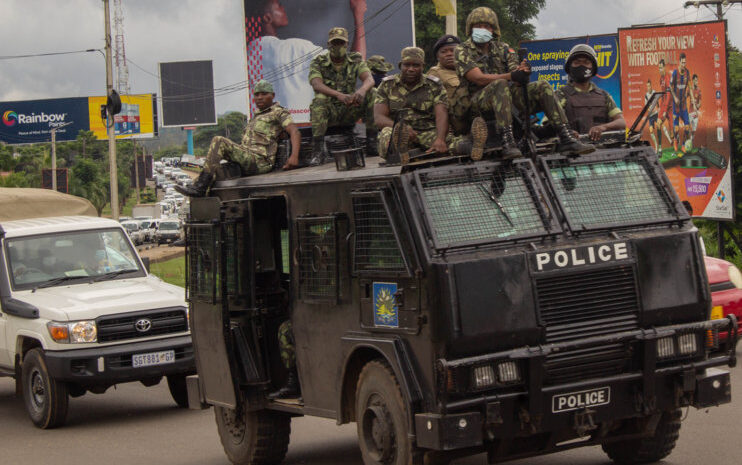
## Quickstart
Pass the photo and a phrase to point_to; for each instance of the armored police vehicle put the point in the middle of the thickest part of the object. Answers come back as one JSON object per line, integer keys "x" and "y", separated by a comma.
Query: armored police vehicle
{"x": 450, "y": 307}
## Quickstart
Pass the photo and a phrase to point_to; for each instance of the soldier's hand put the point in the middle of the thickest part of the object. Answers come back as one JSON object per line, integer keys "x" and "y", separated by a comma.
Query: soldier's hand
{"x": 525, "y": 66}
{"x": 413, "y": 134}
{"x": 345, "y": 98}
{"x": 357, "y": 97}
{"x": 439, "y": 145}
{"x": 596, "y": 132}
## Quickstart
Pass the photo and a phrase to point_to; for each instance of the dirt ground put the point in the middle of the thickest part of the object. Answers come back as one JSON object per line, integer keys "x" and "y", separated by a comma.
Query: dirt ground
{"x": 160, "y": 253}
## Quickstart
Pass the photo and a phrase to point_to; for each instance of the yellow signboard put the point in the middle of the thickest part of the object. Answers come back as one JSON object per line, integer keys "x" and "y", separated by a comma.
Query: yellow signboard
{"x": 136, "y": 119}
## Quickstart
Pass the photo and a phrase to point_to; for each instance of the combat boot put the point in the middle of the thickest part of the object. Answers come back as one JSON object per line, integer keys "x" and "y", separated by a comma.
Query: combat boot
{"x": 510, "y": 149}
{"x": 199, "y": 187}
{"x": 318, "y": 151}
{"x": 478, "y": 138}
{"x": 569, "y": 145}
{"x": 401, "y": 142}
{"x": 372, "y": 143}
{"x": 290, "y": 390}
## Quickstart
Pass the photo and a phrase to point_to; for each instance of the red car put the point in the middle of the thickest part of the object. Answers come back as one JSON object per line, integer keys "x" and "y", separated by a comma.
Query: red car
{"x": 725, "y": 281}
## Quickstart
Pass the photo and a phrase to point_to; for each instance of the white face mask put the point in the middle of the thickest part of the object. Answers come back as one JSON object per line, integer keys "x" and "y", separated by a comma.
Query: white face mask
{"x": 480, "y": 35}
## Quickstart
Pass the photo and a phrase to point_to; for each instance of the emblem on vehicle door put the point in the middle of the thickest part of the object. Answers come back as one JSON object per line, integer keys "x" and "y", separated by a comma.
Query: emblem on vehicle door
{"x": 143, "y": 325}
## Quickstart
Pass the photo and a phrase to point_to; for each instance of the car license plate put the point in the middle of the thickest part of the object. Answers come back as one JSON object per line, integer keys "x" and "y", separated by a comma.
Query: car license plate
{"x": 152, "y": 358}
{"x": 581, "y": 399}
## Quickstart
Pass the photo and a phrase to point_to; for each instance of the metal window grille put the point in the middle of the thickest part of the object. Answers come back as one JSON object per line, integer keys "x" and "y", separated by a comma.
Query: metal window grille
{"x": 318, "y": 258}
{"x": 376, "y": 247}
{"x": 604, "y": 193}
{"x": 202, "y": 262}
{"x": 232, "y": 233}
{"x": 482, "y": 204}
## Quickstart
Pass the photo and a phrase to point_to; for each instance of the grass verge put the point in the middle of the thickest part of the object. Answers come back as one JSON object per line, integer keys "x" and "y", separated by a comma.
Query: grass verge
{"x": 170, "y": 271}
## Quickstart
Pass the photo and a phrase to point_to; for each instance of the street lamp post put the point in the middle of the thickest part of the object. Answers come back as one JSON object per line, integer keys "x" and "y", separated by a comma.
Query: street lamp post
{"x": 54, "y": 154}
{"x": 109, "y": 119}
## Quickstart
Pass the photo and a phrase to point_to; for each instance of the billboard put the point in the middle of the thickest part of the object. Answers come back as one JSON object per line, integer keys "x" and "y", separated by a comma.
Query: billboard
{"x": 283, "y": 37}
{"x": 547, "y": 58}
{"x": 136, "y": 120}
{"x": 690, "y": 130}
{"x": 187, "y": 89}
{"x": 31, "y": 121}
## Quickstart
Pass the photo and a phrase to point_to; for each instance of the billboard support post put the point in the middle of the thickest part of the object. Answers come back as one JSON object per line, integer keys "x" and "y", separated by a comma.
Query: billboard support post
{"x": 109, "y": 120}
{"x": 54, "y": 159}
{"x": 189, "y": 133}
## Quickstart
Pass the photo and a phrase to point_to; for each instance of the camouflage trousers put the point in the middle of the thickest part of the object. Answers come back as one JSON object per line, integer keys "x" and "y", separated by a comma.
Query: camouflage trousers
{"x": 499, "y": 96}
{"x": 424, "y": 140}
{"x": 286, "y": 344}
{"x": 326, "y": 112}
{"x": 251, "y": 163}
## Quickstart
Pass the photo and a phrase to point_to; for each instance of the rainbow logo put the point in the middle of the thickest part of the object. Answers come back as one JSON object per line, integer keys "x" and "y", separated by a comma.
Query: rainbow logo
{"x": 10, "y": 118}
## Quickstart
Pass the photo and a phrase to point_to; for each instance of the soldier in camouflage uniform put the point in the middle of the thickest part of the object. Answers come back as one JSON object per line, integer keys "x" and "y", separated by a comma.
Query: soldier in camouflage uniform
{"x": 336, "y": 102}
{"x": 379, "y": 67}
{"x": 411, "y": 109}
{"x": 495, "y": 81}
{"x": 257, "y": 152}
{"x": 288, "y": 357}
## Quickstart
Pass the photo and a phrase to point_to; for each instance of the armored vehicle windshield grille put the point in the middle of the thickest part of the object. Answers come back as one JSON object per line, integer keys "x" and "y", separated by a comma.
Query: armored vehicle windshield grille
{"x": 121, "y": 327}
{"x": 485, "y": 204}
{"x": 202, "y": 262}
{"x": 587, "y": 304}
{"x": 610, "y": 193}
{"x": 318, "y": 258}
{"x": 376, "y": 247}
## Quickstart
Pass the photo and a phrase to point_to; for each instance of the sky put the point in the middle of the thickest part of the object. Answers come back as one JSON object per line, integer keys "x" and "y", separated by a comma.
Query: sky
{"x": 184, "y": 30}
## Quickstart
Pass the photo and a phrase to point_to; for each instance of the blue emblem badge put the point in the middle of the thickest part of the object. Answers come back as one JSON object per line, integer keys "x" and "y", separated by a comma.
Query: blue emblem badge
{"x": 386, "y": 312}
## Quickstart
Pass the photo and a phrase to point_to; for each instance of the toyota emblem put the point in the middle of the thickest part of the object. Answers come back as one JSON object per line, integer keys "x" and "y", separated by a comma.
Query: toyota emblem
{"x": 143, "y": 325}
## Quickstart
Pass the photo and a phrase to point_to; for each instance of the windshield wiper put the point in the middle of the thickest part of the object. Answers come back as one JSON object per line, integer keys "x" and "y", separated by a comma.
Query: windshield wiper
{"x": 112, "y": 274}
{"x": 55, "y": 281}
{"x": 500, "y": 207}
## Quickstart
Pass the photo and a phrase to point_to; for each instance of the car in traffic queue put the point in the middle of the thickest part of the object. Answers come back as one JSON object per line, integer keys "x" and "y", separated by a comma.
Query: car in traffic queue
{"x": 725, "y": 281}
{"x": 168, "y": 231}
{"x": 133, "y": 229}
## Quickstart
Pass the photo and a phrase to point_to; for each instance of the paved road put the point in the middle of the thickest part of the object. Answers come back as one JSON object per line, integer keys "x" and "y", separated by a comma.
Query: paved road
{"x": 137, "y": 425}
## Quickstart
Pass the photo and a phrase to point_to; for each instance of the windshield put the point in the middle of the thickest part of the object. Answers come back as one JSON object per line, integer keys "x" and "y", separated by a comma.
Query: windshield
{"x": 484, "y": 204}
{"x": 81, "y": 254}
{"x": 169, "y": 226}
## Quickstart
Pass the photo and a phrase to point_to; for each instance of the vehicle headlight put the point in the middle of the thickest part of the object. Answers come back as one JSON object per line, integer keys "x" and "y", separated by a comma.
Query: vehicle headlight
{"x": 687, "y": 344}
{"x": 484, "y": 376}
{"x": 665, "y": 347}
{"x": 735, "y": 276}
{"x": 507, "y": 372}
{"x": 76, "y": 332}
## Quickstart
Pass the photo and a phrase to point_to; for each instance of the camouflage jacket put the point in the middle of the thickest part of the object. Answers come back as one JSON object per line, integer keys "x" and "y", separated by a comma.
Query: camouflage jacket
{"x": 261, "y": 134}
{"x": 501, "y": 59}
{"x": 415, "y": 106}
{"x": 342, "y": 80}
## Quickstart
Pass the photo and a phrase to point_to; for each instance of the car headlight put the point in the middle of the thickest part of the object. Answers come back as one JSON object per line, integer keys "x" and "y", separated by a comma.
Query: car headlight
{"x": 735, "y": 276}
{"x": 76, "y": 332}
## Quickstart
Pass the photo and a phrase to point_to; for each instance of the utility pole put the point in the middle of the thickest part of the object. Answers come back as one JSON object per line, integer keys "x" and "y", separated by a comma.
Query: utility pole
{"x": 110, "y": 118}
{"x": 136, "y": 172}
{"x": 54, "y": 154}
{"x": 718, "y": 3}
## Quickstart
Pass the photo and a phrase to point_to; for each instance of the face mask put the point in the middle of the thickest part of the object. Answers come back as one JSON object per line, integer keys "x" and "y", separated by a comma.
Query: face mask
{"x": 378, "y": 78}
{"x": 580, "y": 73}
{"x": 338, "y": 51}
{"x": 480, "y": 35}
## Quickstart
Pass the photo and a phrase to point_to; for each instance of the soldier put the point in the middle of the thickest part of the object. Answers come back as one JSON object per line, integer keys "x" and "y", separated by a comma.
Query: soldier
{"x": 288, "y": 356}
{"x": 379, "y": 67}
{"x": 257, "y": 152}
{"x": 491, "y": 70}
{"x": 411, "y": 110}
{"x": 336, "y": 102}
{"x": 445, "y": 70}
{"x": 590, "y": 110}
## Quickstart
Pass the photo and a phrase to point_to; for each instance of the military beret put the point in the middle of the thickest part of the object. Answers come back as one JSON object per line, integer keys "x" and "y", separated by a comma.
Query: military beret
{"x": 337, "y": 33}
{"x": 447, "y": 39}
{"x": 378, "y": 64}
{"x": 415, "y": 54}
{"x": 263, "y": 86}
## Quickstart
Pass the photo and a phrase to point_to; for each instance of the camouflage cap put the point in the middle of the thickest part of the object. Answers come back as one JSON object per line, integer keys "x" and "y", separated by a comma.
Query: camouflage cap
{"x": 337, "y": 33}
{"x": 485, "y": 15}
{"x": 415, "y": 54}
{"x": 263, "y": 86}
{"x": 378, "y": 64}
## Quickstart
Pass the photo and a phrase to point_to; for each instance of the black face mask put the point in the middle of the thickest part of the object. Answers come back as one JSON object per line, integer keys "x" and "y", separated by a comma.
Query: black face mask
{"x": 580, "y": 73}
{"x": 378, "y": 78}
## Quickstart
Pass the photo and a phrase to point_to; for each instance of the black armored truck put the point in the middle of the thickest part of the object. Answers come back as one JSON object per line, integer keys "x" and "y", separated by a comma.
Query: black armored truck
{"x": 451, "y": 307}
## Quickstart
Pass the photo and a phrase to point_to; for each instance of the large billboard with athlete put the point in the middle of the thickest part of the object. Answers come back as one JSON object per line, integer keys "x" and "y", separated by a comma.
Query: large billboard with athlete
{"x": 283, "y": 36}
{"x": 690, "y": 128}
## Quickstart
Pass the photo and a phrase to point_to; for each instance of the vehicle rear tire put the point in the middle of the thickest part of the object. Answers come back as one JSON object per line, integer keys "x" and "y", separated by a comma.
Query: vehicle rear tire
{"x": 253, "y": 438}
{"x": 381, "y": 417}
{"x": 46, "y": 398}
{"x": 178, "y": 389}
{"x": 651, "y": 449}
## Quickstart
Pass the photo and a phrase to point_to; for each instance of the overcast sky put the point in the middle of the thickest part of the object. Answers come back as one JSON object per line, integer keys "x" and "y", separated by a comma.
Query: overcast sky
{"x": 180, "y": 30}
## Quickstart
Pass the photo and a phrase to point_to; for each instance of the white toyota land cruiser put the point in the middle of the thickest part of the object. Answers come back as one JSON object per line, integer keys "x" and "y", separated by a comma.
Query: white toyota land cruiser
{"x": 79, "y": 312}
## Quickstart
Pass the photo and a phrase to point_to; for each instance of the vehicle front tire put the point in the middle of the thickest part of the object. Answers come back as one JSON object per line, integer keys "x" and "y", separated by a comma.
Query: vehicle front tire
{"x": 381, "y": 417}
{"x": 46, "y": 399}
{"x": 178, "y": 389}
{"x": 650, "y": 449}
{"x": 253, "y": 438}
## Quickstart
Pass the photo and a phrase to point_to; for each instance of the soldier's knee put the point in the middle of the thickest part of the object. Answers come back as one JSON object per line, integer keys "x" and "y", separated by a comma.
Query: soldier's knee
{"x": 498, "y": 86}
{"x": 542, "y": 87}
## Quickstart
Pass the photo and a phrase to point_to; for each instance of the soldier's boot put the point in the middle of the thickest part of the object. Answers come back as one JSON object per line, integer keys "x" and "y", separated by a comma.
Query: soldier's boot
{"x": 510, "y": 149}
{"x": 199, "y": 187}
{"x": 478, "y": 138}
{"x": 318, "y": 151}
{"x": 401, "y": 142}
{"x": 569, "y": 145}
{"x": 372, "y": 143}
{"x": 290, "y": 390}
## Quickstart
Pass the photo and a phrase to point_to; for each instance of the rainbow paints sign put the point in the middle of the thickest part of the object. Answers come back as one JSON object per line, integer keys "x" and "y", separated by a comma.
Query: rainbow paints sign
{"x": 10, "y": 118}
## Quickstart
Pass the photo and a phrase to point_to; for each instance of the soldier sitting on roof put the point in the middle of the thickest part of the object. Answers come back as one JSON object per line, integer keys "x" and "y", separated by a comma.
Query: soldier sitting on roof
{"x": 257, "y": 152}
{"x": 379, "y": 67}
{"x": 411, "y": 109}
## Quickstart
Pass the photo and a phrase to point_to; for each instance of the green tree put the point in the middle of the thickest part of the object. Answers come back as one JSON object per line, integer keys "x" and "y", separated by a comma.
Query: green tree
{"x": 514, "y": 17}
{"x": 231, "y": 125}
{"x": 87, "y": 180}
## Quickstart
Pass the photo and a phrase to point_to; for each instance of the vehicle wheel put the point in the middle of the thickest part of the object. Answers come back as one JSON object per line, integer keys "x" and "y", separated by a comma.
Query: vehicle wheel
{"x": 253, "y": 438}
{"x": 46, "y": 399}
{"x": 381, "y": 417}
{"x": 651, "y": 449}
{"x": 178, "y": 389}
